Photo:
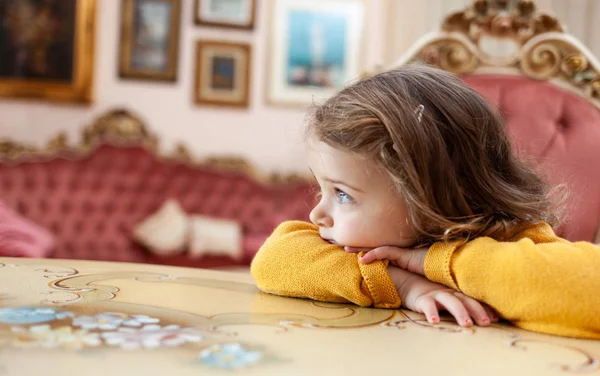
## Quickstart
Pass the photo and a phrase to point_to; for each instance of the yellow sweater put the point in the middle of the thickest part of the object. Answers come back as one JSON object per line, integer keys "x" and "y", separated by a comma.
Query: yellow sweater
{"x": 538, "y": 281}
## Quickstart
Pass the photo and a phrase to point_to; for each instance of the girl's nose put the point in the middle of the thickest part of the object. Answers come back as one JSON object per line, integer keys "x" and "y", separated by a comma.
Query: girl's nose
{"x": 319, "y": 217}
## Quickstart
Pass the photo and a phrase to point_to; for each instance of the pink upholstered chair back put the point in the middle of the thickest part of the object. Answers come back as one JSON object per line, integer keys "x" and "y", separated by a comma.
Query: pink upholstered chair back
{"x": 545, "y": 83}
{"x": 559, "y": 133}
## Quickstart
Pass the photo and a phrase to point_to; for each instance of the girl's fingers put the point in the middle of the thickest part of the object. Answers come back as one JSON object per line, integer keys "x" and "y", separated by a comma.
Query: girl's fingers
{"x": 428, "y": 306}
{"x": 491, "y": 313}
{"x": 368, "y": 257}
{"x": 455, "y": 307}
{"x": 412, "y": 260}
{"x": 475, "y": 309}
{"x": 354, "y": 250}
{"x": 394, "y": 254}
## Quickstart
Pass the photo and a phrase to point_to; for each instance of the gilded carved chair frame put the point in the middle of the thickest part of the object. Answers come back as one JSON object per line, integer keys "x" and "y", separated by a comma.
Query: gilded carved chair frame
{"x": 541, "y": 49}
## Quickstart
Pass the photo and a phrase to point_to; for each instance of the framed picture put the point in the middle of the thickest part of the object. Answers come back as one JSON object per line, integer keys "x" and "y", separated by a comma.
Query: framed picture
{"x": 315, "y": 48}
{"x": 47, "y": 49}
{"x": 238, "y": 14}
{"x": 222, "y": 73}
{"x": 150, "y": 39}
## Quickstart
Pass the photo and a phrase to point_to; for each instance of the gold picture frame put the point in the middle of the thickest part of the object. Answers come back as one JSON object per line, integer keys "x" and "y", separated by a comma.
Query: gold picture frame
{"x": 208, "y": 13}
{"x": 223, "y": 72}
{"x": 149, "y": 50}
{"x": 54, "y": 59}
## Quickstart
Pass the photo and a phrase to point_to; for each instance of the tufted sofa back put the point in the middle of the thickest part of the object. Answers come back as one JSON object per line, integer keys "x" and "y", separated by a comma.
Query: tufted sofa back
{"x": 92, "y": 204}
{"x": 558, "y": 132}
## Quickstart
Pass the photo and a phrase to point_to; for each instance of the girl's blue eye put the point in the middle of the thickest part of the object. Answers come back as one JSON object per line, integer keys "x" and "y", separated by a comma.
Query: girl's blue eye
{"x": 343, "y": 197}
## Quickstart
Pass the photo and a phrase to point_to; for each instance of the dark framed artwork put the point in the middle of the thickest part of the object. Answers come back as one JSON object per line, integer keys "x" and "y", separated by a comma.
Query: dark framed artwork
{"x": 238, "y": 14}
{"x": 150, "y": 39}
{"x": 222, "y": 73}
{"x": 47, "y": 49}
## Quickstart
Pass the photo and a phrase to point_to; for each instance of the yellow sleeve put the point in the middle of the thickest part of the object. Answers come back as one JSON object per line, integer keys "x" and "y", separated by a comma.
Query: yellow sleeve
{"x": 296, "y": 262}
{"x": 540, "y": 282}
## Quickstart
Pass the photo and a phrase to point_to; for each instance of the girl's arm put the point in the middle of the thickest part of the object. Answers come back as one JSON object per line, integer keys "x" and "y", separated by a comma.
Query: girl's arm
{"x": 538, "y": 282}
{"x": 551, "y": 287}
{"x": 296, "y": 262}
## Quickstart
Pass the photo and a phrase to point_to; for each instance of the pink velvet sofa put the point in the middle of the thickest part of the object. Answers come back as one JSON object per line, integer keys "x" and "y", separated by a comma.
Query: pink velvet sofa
{"x": 91, "y": 196}
{"x": 546, "y": 84}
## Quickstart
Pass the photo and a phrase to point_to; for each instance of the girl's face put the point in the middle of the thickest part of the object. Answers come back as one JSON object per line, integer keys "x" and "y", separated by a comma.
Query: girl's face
{"x": 359, "y": 206}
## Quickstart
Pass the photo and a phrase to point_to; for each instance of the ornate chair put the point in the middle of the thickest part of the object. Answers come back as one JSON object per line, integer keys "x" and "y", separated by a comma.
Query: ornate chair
{"x": 544, "y": 81}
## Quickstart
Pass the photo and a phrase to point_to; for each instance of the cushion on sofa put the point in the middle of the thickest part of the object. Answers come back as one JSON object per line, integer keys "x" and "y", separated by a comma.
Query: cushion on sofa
{"x": 165, "y": 232}
{"x": 215, "y": 236}
{"x": 20, "y": 237}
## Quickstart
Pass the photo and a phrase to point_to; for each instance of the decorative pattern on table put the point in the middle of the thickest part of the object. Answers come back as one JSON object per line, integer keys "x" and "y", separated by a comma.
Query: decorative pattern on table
{"x": 588, "y": 364}
{"x": 87, "y": 288}
{"x": 82, "y": 312}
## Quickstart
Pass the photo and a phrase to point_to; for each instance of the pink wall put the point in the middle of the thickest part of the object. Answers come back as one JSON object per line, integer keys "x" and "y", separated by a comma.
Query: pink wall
{"x": 268, "y": 136}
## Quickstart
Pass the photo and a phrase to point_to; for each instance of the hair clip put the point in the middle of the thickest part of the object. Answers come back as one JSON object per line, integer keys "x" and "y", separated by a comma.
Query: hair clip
{"x": 419, "y": 112}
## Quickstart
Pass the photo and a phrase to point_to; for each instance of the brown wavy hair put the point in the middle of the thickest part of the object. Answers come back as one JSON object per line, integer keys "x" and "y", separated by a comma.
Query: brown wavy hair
{"x": 453, "y": 165}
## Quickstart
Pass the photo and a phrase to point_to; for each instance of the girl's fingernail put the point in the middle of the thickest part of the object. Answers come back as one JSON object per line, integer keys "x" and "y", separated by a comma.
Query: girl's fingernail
{"x": 485, "y": 320}
{"x": 434, "y": 320}
{"x": 468, "y": 321}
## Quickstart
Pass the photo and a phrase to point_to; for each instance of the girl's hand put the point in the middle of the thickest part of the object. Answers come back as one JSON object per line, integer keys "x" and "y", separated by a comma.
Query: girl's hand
{"x": 412, "y": 260}
{"x": 423, "y": 296}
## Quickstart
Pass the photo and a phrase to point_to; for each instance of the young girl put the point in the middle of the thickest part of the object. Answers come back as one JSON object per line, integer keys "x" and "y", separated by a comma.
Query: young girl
{"x": 418, "y": 178}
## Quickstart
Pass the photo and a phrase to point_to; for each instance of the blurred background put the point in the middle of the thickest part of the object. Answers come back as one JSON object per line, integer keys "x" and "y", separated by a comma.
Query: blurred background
{"x": 264, "y": 132}
{"x": 168, "y": 131}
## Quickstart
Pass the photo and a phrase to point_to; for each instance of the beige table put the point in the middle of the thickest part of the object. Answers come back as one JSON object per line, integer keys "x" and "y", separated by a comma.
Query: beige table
{"x": 63, "y": 317}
